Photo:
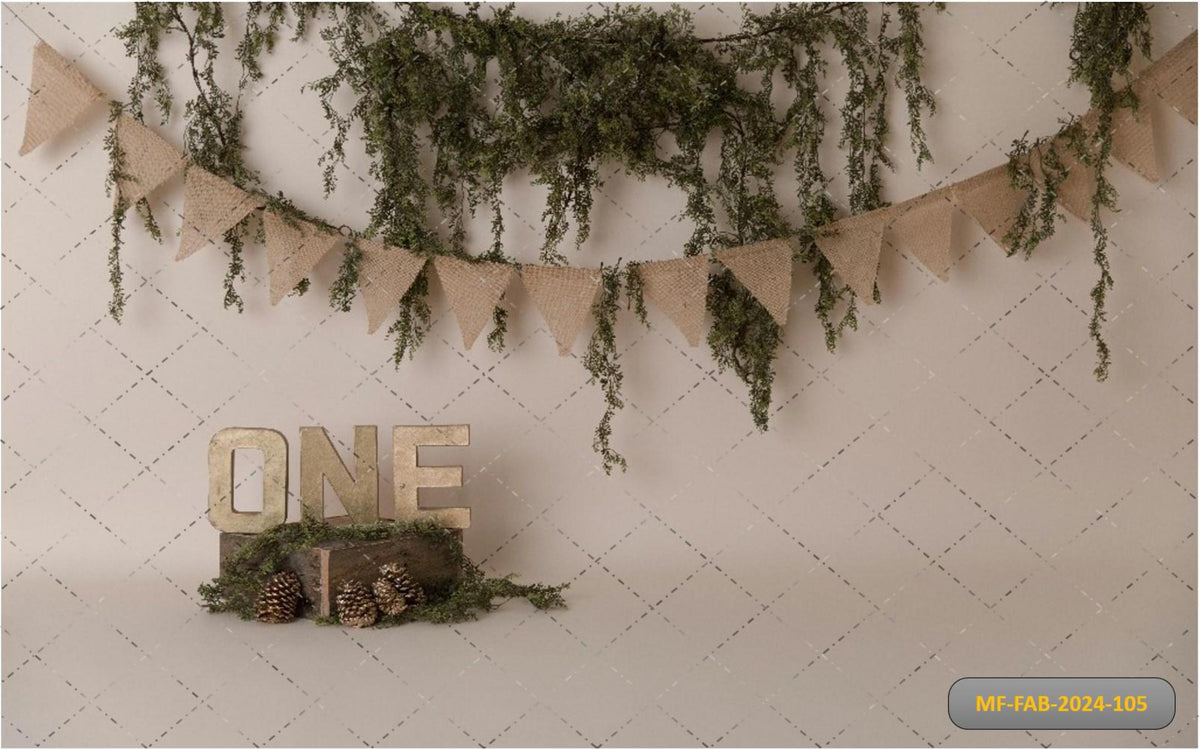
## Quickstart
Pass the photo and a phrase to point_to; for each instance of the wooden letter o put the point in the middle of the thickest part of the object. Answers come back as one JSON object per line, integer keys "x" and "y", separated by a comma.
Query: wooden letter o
{"x": 220, "y": 479}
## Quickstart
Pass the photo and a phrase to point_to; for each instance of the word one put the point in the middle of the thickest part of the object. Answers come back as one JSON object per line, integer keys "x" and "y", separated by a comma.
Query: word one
{"x": 319, "y": 460}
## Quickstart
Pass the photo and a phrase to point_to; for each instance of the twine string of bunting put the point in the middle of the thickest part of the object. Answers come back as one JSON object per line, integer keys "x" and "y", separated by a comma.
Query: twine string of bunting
{"x": 60, "y": 94}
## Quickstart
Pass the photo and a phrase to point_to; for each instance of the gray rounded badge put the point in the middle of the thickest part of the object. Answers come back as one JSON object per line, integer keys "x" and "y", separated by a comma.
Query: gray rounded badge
{"x": 1061, "y": 703}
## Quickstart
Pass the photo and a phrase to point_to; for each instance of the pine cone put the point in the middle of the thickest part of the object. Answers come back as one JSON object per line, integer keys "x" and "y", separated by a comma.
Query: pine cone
{"x": 390, "y": 601}
{"x": 397, "y": 576}
{"x": 355, "y": 605}
{"x": 279, "y": 598}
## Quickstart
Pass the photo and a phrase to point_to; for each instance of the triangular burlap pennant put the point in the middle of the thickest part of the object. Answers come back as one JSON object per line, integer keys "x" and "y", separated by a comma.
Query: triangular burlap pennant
{"x": 680, "y": 289}
{"x": 1173, "y": 77}
{"x": 59, "y": 94}
{"x": 1133, "y": 136}
{"x": 564, "y": 297}
{"x": 293, "y": 251}
{"x": 991, "y": 200}
{"x": 765, "y": 269}
{"x": 474, "y": 290}
{"x": 149, "y": 160}
{"x": 211, "y": 206}
{"x": 385, "y": 275}
{"x": 923, "y": 231}
{"x": 854, "y": 250}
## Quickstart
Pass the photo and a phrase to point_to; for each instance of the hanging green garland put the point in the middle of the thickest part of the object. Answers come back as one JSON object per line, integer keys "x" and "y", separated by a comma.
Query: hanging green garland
{"x": 631, "y": 86}
{"x": 1104, "y": 41}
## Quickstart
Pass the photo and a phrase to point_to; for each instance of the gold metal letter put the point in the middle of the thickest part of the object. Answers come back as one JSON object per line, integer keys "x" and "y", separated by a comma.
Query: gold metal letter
{"x": 220, "y": 479}
{"x": 319, "y": 461}
{"x": 409, "y": 475}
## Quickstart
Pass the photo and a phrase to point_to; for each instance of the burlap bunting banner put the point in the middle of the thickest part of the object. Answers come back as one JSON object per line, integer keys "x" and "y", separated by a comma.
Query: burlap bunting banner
{"x": 922, "y": 229}
{"x": 292, "y": 252}
{"x": 680, "y": 289}
{"x": 211, "y": 206}
{"x": 1173, "y": 77}
{"x": 765, "y": 269}
{"x": 474, "y": 290}
{"x": 149, "y": 160}
{"x": 385, "y": 275}
{"x": 854, "y": 251}
{"x": 59, "y": 95}
{"x": 990, "y": 199}
{"x": 564, "y": 297}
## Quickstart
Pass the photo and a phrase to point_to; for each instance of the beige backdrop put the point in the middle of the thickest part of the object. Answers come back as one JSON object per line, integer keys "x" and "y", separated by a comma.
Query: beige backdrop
{"x": 951, "y": 494}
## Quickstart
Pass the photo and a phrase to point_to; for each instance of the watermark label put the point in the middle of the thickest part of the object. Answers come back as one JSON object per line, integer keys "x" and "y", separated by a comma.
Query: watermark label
{"x": 1061, "y": 703}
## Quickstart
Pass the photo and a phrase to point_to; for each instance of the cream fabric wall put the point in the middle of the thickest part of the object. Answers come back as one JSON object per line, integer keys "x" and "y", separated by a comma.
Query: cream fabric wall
{"x": 950, "y": 494}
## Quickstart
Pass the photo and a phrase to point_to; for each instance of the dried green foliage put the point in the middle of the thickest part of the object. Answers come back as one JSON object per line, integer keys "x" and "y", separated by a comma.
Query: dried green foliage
{"x": 911, "y": 49}
{"x": 630, "y": 86}
{"x": 603, "y": 364}
{"x": 744, "y": 337}
{"x": 1037, "y": 168}
{"x": 410, "y": 327}
{"x": 635, "y": 295}
{"x": 247, "y": 570}
{"x": 633, "y": 86}
{"x": 213, "y": 115}
{"x": 116, "y": 173}
{"x": 344, "y": 287}
{"x": 495, "y": 338}
{"x": 1104, "y": 41}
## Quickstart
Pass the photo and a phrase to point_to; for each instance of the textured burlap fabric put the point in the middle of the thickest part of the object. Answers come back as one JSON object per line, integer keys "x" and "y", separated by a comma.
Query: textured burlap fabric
{"x": 853, "y": 249}
{"x": 59, "y": 95}
{"x": 385, "y": 275}
{"x": 765, "y": 269}
{"x": 564, "y": 297}
{"x": 922, "y": 229}
{"x": 1133, "y": 136}
{"x": 680, "y": 289}
{"x": 293, "y": 251}
{"x": 990, "y": 199}
{"x": 149, "y": 160}
{"x": 473, "y": 290}
{"x": 1173, "y": 77}
{"x": 211, "y": 206}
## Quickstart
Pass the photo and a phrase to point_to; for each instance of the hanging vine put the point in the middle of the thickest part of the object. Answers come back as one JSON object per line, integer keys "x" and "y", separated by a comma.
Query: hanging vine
{"x": 213, "y": 137}
{"x": 1104, "y": 41}
{"x": 603, "y": 366}
{"x": 116, "y": 173}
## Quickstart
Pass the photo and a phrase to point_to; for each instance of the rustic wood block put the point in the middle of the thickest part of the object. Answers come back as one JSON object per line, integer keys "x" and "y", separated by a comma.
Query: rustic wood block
{"x": 323, "y": 568}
